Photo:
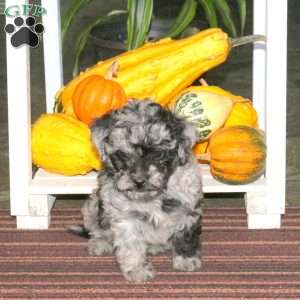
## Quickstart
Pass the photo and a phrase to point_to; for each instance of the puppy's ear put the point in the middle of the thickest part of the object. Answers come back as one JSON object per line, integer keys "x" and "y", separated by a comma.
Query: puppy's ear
{"x": 101, "y": 128}
{"x": 190, "y": 133}
{"x": 188, "y": 141}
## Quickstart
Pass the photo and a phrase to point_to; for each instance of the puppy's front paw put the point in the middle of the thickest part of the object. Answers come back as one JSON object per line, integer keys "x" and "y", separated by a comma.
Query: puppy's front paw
{"x": 186, "y": 263}
{"x": 141, "y": 274}
{"x": 98, "y": 246}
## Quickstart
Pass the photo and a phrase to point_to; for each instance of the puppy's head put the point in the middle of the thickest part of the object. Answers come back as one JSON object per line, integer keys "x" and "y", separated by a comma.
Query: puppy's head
{"x": 142, "y": 144}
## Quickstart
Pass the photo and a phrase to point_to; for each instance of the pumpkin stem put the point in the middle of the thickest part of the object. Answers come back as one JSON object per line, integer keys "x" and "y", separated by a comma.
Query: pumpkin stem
{"x": 112, "y": 70}
{"x": 204, "y": 156}
{"x": 235, "y": 42}
{"x": 203, "y": 82}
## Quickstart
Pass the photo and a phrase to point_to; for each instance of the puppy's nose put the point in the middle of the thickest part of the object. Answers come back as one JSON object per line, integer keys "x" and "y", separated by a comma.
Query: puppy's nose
{"x": 139, "y": 182}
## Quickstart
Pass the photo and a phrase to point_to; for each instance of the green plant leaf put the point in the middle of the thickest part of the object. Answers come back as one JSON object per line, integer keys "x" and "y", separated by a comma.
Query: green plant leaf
{"x": 184, "y": 18}
{"x": 243, "y": 14}
{"x": 85, "y": 32}
{"x": 224, "y": 10}
{"x": 74, "y": 8}
{"x": 138, "y": 22}
{"x": 210, "y": 12}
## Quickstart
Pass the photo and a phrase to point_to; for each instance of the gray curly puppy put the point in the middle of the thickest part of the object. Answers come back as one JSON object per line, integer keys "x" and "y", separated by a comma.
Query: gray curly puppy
{"x": 149, "y": 192}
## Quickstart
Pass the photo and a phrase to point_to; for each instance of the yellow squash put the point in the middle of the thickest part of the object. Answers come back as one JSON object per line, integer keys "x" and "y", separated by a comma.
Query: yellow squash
{"x": 62, "y": 144}
{"x": 160, "y": 70}
{"x": 242, "y": 113}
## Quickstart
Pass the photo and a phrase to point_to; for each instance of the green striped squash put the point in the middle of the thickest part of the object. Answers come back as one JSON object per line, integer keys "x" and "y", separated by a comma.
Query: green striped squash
{"x": 207, "y": 111}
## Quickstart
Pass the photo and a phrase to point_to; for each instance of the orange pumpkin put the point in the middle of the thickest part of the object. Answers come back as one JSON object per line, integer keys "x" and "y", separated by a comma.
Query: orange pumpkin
{"x": 95, "y": 96}
{"x": 237, "y": 154}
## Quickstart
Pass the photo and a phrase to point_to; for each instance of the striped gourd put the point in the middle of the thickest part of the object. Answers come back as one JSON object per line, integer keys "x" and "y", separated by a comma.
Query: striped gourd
{"x": 207, "y": 111}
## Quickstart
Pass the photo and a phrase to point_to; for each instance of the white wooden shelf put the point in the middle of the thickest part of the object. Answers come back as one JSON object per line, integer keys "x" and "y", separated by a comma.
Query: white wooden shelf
{"x": 49, "y": 183}
{"x": 31, "y": 196}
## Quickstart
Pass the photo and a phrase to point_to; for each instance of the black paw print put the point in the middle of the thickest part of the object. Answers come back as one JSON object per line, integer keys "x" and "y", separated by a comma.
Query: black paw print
{"x": 26, "y": 33}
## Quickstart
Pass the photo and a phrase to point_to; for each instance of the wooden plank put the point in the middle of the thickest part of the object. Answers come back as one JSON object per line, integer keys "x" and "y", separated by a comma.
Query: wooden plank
{"x": 264, "y": 221}
{"x": 276, "y": 61}
{"x": 52, "y": 51}
{"x": 48, "y": 183}
{"x": 259, "y": 62}
{"x": 19, "y": 121}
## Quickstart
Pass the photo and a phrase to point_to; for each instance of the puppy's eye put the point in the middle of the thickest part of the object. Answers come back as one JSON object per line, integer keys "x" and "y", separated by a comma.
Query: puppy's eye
{"x": 139, "y": 150}
{"x": 119, "y": 159}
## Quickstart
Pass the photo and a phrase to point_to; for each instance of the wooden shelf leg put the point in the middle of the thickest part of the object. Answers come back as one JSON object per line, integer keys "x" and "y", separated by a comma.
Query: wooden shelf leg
{"x": 38, "y": 213}
{"x": 259, "y": 215}
{"x": 31, "y": 211}
{"x": 265, "y": 208}
{"x": 19, "y": 123}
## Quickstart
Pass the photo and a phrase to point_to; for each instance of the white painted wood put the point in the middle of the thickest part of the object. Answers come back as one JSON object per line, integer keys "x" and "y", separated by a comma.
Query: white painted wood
{"x": 39, "y": 213}
{"x": 52, "y": 51}
{"x": 259, "y": 62}
{"x": 258, "y": 214}
{"x": 49, "y": 183}
{"x": 264, "y": 221}
{"x": 19, "y": 121}
{"x": 33, "y": 222}
{"x": 256, "y": 202}
{"x": 40, "y": 205}
{"x": 265, "y": 208}
{"x": 32, "y": 211}
{"x": 276, "y": 62}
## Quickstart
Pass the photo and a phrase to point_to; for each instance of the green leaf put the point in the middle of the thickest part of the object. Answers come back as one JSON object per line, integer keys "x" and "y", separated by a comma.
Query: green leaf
{"x": 210, "y": 12}
{"x": 184, "y": 18}
{"x": 138, "y": 22}
{"x": 243, "y": 14}
{"x": 224, "y": 10}
{"x": 84, "y": 34}
{"x": 74, "y": 8}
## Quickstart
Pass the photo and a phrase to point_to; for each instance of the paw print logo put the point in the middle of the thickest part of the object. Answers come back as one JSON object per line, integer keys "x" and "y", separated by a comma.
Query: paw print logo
{"x": 24, "y": 32}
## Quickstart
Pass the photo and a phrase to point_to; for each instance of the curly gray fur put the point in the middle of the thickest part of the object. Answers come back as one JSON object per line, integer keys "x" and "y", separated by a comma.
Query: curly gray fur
{"x": 149, "y": 192}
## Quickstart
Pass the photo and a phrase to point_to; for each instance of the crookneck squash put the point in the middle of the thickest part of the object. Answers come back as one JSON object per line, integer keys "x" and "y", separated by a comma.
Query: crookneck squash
{"x": 62, "y": 144}
{"x": 237, "y": 154}
{"x": 160, "y": 70}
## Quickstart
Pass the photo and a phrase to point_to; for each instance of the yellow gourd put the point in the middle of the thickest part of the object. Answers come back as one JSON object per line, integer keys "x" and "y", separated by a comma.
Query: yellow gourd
{"x": 62, "y": 144}
{"x": 242, "y": 113}
{"x": 160, "y": 70}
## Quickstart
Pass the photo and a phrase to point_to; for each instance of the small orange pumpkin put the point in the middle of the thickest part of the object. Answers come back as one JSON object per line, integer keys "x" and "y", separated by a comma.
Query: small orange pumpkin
{"x": 96, "y": 95}
{"x": 237, "y": 154}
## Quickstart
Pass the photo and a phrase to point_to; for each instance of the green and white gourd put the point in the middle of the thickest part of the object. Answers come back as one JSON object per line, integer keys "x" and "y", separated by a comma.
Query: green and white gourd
{"x": 207, "y": 111}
